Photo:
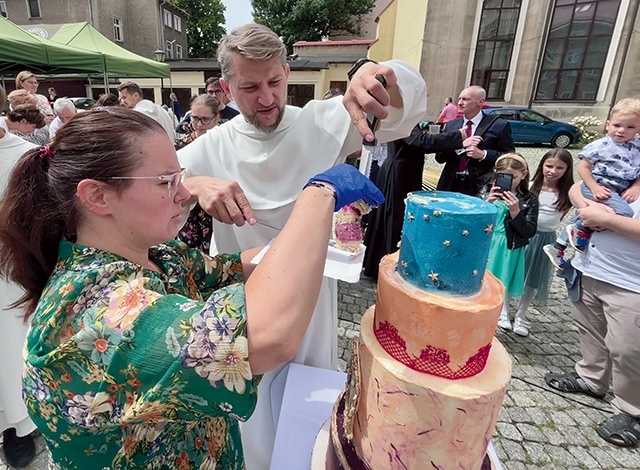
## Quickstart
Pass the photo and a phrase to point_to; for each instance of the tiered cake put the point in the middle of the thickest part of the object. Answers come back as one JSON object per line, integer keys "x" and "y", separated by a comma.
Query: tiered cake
{"x": 427, "y": 378}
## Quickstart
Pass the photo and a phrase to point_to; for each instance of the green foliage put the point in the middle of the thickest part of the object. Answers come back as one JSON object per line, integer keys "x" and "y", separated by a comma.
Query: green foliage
{"x": 310, "y": 20}
{"x": 204, "y": 26}
{"x": 590, "y": 127}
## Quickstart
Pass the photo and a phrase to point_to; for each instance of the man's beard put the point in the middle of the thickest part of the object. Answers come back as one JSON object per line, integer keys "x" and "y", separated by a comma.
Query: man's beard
{"x": 253, "y": 120}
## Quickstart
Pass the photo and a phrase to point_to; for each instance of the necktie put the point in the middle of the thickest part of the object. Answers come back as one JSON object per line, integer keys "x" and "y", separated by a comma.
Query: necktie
{"x": 462, "y": 164}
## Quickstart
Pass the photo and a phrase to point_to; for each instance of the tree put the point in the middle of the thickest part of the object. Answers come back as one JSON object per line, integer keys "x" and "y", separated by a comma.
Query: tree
{"x": 311, "y": 20}
{"x": 204, "y": 25}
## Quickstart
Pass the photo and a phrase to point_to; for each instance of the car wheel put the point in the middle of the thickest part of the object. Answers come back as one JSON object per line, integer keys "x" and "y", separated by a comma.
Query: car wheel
{"x": 561, "y": 140}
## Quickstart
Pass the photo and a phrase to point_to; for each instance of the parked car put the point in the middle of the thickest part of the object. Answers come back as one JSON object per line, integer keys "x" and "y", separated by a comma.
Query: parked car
{"x": 531, "y": 127}
{"x": 83, "y": 103}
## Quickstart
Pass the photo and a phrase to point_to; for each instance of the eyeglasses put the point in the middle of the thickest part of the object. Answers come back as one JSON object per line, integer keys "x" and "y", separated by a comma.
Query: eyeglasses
{"x": 214, "y": 92}
{"x": 205, "y": 121}
{"x": 173, "y": 180}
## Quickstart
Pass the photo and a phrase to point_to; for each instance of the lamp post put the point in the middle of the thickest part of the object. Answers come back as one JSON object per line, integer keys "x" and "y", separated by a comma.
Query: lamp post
{"x": 160, "y": 55}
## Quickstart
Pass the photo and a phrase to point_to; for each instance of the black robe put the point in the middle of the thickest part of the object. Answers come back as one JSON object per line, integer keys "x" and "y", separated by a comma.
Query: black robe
{"x": 400, "y": 174}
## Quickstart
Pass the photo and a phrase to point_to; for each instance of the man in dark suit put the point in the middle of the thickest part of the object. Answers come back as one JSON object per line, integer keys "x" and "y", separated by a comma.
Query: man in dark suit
{"x": 467, "y": 170}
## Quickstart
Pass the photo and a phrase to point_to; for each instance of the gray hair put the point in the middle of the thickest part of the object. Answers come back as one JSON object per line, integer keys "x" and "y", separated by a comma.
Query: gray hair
{"x": 61, "y": 104}
{"x": 252, "y": 41}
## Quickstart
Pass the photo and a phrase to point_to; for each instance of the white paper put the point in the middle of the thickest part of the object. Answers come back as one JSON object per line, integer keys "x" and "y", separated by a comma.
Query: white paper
{"x": 340, "y": 264}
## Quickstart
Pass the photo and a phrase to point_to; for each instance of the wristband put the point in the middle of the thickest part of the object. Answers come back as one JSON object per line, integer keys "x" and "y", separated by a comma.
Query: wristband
{"x": 359, "y": 63}
{"x": 319, "y": 184}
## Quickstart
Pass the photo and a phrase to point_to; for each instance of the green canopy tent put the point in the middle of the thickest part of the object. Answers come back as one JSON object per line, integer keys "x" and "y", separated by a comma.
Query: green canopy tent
{"x": 20, "y": 50}
{"x": 118, "y": 61}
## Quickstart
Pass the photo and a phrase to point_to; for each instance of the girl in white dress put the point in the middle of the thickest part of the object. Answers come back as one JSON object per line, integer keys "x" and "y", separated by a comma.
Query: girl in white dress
{"x": 551, "y": 184}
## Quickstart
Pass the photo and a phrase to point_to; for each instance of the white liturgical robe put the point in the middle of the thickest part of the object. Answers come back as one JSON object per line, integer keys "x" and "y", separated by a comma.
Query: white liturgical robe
{"x": 271, "y": 169}
{"x": 13, "y": 330}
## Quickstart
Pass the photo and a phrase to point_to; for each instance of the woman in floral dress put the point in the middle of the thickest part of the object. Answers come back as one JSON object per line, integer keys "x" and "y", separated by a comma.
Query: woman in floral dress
{"x": 145, "y": 354}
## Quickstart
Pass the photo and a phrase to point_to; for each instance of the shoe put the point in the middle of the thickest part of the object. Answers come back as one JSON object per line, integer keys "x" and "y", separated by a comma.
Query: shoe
{"x": 578, "y": 239}
{"x": 521, "y": 327}
{"x": 18, "y": 451}
{"x": 556, "y": 256}
{"x": 621, "y": 430}
{"x": 570, "y": 382}
{"x": 504, "y": 322}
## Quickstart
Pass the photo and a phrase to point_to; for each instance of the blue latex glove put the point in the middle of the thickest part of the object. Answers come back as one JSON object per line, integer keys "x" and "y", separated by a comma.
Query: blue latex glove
{"x": 350, "y": 185}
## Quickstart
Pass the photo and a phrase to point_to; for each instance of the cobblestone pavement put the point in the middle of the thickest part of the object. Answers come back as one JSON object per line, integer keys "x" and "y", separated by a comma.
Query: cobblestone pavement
{"x": 537, "y": 428}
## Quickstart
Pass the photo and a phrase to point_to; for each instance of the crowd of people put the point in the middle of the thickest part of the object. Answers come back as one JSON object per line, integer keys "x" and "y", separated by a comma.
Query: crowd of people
{"x": 153, "y": 340}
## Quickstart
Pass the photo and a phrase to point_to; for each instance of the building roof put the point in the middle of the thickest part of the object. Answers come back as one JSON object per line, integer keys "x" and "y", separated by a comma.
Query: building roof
{"x": 296, "y": 63}
{"x": 353, "y": 42}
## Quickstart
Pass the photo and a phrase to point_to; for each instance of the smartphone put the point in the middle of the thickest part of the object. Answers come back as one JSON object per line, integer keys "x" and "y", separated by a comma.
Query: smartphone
{"x": 504, "y": 181}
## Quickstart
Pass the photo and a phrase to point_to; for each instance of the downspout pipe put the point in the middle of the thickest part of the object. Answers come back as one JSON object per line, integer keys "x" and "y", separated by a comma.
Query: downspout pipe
{"x": 625, "y": 53}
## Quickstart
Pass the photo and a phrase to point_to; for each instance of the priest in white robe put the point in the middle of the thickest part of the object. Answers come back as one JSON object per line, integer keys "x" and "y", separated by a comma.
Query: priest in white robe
{"x": 15, "y": 423}
{"x": 270, "y": 152}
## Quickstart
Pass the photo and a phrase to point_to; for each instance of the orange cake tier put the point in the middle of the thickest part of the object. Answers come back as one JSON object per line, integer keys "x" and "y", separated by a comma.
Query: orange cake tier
{"x": 446, "y": 336}
{"x": 409, "y": 420}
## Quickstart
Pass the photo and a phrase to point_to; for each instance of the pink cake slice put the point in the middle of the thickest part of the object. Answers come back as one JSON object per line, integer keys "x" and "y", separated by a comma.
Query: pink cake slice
{"x": 348, "y": 232}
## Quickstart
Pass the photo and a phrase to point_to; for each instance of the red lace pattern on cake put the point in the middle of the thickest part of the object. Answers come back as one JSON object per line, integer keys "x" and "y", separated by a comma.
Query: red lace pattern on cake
{"x": 434, "y": 361}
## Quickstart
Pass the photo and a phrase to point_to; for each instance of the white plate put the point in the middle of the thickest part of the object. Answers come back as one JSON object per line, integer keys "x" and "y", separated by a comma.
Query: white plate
{"x": 340, "y": 264}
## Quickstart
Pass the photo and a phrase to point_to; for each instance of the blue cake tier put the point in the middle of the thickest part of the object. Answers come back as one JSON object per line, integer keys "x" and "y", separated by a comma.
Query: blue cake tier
{"x": 445, "y": 241}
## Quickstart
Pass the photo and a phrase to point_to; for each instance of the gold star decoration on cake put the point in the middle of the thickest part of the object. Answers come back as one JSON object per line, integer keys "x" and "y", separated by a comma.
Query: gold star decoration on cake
{"x": 465, "y": 233}
{"x": 475, "y": 272}
{"x": 488, "y": 228}
{"x": 425, "y": 217}
{"x": 410, "y": 216}
{"x": 437, "y": 213}
{"x": 447, "y": 243}
{"x": 433, "y": 276}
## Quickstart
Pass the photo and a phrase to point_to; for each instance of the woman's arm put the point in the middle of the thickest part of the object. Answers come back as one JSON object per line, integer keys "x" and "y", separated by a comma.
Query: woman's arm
{"x": 283, "y": 289}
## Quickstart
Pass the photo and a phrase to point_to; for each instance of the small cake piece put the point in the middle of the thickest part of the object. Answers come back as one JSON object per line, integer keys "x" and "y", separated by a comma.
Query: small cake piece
{"x": 348, "y": 232}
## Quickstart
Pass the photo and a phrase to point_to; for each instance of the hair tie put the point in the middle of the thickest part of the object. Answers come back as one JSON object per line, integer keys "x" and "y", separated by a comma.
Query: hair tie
{"x": 45, "y": 154}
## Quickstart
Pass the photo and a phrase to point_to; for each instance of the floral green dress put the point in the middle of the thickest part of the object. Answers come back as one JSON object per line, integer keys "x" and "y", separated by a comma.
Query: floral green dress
{"x": 129, "y": 368}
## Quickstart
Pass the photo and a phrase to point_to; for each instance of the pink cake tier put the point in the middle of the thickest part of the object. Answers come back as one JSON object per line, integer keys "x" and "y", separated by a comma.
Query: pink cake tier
{"x": 410, "y": 420}
{"x": 438, "y": 334}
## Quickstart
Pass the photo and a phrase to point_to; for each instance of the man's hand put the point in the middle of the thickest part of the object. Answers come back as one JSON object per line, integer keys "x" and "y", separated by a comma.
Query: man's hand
{"x": 594, "y": 214}
{"x": 366, "y": 95}
{"x": 472, "y": 141}
{"x": 600, "y": 193}
{"x": 223, "y": 199}
{"x": 631, "y": 194}
{"x": 474, "y": 152}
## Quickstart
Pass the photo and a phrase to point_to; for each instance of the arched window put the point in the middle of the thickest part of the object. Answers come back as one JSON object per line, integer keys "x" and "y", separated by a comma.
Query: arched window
{"x": 576, "y": 49}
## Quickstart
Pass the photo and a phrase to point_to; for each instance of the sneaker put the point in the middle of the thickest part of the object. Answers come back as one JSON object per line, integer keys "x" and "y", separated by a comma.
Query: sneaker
{"x": 556, "y": 256}
{"x": 504, "y": 322}
{"x": 521, "y": 327}
{"x": 578, "y": 239}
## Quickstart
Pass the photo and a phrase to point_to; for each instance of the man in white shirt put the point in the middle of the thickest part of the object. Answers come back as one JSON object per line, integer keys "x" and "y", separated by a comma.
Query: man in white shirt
{"x": 131, "y": 96}
{"x": 608, "y": 319}
{"x": 253, "y": 168}
{"x": 65, "y": 110}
